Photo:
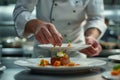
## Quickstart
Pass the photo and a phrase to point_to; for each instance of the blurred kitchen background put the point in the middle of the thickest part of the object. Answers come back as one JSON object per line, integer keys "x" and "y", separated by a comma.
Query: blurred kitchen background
{"x": 12, "y": 46}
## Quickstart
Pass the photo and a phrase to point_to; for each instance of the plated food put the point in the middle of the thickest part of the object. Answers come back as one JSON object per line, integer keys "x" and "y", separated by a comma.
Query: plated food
{"x": 61, "y": 62}
{"x": 85, "y": 64}
{"x": 61, "y": 59}
{"x": 115, "y": 70}
{"x": 113, "y": 74}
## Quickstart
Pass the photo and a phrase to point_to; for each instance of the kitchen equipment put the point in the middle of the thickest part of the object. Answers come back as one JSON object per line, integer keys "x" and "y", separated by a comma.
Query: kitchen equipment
{"x": 12, "y": 46}
{"x": 0, "y": 53}
{"x": 1, "y": 66}
{"x": 114, "y": 57}
{"x": 12, "y": 42}
{"x": 108, "y": 52}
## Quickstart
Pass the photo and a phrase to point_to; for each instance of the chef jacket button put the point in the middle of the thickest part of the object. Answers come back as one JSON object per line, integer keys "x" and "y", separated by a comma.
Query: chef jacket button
{"x": 68, "y": 23}
{"x": 56, "y": 4}
{"x": 52, "y": 19}
{"x": 76, "y": 1}
{"x": 74, "y": 11}
{"x": 65, "y": 35}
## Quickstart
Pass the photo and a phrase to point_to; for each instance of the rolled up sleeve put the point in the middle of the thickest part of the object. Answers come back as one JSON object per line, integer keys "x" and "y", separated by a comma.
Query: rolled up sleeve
{"x": 95, "y": 16}
{"x": 22, "y": 14}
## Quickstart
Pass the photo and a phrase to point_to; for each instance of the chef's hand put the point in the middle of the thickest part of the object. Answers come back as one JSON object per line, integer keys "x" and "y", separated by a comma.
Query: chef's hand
{"x": 94, "y": 49}
{"x": 44, "y": 32}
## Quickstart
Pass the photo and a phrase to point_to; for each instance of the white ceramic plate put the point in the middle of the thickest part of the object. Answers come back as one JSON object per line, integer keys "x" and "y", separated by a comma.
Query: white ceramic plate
{"x": 114, "y": 57}
{"x": 2, "y": 68}
{"x": 84, "y": 65}
{"x": 107, "y": 75}
{"x": 73, "y": 47}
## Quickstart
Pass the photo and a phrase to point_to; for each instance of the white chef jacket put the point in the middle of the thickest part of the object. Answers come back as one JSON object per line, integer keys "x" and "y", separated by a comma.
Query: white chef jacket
{"x": 66, "y": 15}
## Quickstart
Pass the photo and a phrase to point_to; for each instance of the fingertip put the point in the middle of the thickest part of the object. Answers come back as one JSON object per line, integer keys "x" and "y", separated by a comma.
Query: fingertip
{"x": 60, "y": 44}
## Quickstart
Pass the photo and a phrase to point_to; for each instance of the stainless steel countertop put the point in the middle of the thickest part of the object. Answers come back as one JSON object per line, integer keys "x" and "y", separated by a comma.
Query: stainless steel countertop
{"x": 14, "y": 72}
{"x": 9, "y": 73}
{"x": 20, "y": 74}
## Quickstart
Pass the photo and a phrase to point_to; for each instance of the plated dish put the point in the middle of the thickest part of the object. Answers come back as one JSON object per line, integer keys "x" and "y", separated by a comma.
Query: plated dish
{"x": 113, "y": 74}
{"x": 114, "y": 57}
{"x": 108, "y": 76}
{"x": 2, "y": 68}
{"x": 84, "y": 65}
{"x": 73, "y": 47}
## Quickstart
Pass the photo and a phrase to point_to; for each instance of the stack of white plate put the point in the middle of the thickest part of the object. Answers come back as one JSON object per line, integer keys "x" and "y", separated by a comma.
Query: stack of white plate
{"x": 2, "y": 68}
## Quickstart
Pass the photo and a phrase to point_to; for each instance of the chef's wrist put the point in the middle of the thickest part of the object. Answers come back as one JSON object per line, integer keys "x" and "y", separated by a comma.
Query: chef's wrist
{"x": 92, "y": 32}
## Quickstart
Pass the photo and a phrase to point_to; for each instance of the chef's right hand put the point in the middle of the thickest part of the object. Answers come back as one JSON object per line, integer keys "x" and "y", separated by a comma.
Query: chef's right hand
{"x": 44, "y": 32}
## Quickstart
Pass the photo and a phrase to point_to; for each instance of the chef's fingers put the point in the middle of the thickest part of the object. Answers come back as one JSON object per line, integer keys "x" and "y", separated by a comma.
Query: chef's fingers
{"x": 48, "y": 36}
{"x": 56, "y": 35}
{"x": 41, "y": 38}
{"x": 95, "y": 47}
{"x": 58, "y": 40}
{"x": 92, "y": 51}
{"x": 95, "y": 50}
{"x": 85, "y": 51}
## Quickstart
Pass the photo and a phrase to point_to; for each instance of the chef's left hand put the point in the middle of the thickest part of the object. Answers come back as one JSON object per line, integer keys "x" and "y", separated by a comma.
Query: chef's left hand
{"x": 94, "y": 49}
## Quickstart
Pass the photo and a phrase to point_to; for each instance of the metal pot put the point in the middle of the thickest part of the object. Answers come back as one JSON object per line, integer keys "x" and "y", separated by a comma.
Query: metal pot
{"x": 108, "y": 52}
{"x": 12, "y": 42}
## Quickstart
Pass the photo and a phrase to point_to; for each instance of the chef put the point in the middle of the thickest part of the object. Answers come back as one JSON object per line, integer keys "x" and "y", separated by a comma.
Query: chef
{"x": 81, "y": 21}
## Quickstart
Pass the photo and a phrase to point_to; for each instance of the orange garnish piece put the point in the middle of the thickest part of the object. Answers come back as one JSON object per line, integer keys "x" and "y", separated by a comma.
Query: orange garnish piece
{"x": 57, "y": 63}
{"x": 44, "y": 62}
{"x": 115, "y": 72}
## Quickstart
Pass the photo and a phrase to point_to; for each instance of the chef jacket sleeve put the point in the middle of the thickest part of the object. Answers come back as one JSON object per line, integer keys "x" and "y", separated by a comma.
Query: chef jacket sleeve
{"x": 95, "y": 16}
{"x": 22, "y": 14}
